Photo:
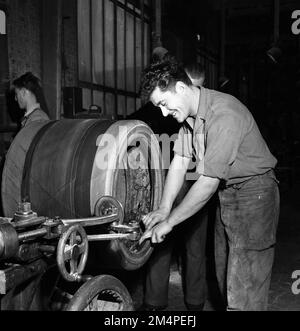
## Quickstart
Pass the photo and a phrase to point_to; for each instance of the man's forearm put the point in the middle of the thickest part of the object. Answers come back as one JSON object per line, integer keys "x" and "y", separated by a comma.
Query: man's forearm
{"x": 198, "y": 195}
{"x": 174, "y": 181}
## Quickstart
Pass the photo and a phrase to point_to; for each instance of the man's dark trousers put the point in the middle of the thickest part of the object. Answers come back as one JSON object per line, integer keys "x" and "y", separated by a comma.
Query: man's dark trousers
{"x": 245, "y": 235}
{"x": 192, "y": 234}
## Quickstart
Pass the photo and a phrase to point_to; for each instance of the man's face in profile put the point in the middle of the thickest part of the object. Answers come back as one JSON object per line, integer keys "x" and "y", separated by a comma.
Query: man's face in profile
{"x": 172, "y": 103}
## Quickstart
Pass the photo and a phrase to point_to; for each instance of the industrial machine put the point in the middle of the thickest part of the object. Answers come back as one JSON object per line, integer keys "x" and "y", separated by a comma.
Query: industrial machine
{"x": 31, "y": 244}
{"x": 84, "y": 185}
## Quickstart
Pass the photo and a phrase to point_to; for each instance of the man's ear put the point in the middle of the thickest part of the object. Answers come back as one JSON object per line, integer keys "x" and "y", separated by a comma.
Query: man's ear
{"x": 23, "y": 91}
{"x": 180, "y": 87}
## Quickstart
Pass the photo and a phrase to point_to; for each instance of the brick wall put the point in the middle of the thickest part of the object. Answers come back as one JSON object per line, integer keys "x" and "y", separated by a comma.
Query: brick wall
{"x": 24, "y": 37}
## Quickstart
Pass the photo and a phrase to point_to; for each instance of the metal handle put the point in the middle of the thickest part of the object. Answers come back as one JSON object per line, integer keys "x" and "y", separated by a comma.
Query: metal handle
{"x": 112, "y": 236}
{"x": 91, "y": 221}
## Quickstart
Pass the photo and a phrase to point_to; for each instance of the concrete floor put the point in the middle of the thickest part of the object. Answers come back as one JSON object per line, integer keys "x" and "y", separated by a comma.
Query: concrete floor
{"x": 287, "y": 260}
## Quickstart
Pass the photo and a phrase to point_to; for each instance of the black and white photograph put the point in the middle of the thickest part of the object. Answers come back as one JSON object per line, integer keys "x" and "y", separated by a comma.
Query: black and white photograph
{"x": 149, "y": 158}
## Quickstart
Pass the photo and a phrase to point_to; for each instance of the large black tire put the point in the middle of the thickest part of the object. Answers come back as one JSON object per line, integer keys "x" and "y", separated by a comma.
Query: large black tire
{"x": 96, "y": 293}
{"x": 12, "y": 175}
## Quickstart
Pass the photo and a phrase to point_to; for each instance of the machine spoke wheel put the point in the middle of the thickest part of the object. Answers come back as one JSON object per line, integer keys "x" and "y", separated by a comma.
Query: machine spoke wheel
{"x": 101, "y": 293}
{"x": 72, "y": 252}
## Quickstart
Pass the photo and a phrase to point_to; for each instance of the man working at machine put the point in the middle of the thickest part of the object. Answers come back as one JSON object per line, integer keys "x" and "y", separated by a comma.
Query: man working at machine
{"x": 233, "y": 158}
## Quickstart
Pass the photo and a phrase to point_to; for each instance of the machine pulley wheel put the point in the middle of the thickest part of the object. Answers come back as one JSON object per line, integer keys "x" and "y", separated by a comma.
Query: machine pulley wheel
{"x": 108, "y": 205}
{"x": 72, "y": 253}
{"x": 101, "y": 293}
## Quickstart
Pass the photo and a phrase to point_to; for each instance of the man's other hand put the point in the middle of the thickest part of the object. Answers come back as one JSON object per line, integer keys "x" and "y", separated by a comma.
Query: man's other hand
{"x": 157, "y": 233}
{"x": 155, "y": 217}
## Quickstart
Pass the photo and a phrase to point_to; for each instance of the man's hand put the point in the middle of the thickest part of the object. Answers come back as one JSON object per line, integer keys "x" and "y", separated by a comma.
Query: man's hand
{"x": 157, "y": 216}
{"x": 157, "y": 233}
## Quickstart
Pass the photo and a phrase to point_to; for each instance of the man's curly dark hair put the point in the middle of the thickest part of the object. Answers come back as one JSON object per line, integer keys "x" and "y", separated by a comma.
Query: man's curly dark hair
{"x": 164, "y": 75}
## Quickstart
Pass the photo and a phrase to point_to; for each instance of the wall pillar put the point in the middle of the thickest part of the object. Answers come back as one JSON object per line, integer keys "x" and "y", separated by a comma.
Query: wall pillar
{"x": 52, "y": 55}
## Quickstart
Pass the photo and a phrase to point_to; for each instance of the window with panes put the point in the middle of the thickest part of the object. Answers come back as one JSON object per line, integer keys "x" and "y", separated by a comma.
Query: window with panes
{"x": 113, "y": 48}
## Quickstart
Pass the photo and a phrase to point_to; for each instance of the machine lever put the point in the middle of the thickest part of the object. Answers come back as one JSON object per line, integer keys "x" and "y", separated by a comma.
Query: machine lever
{"x": 112, "y": 236}
{"x": 91, "y": 221}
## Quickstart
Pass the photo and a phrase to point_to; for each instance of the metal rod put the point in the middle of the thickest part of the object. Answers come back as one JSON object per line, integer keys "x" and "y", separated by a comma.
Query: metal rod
{"x": 32, "y": 234}
{"x": 110, "y": 236}
{"x": 84, "y": 278}
{"x": 92, "y": 220}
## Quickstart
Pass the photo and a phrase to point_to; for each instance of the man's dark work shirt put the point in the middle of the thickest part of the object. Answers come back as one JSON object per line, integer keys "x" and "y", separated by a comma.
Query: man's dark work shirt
{"x": 224, "y": 139}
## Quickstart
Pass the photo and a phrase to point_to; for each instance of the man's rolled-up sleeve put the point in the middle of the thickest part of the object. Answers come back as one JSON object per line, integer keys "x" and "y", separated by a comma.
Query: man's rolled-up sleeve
{"x": 224, "y": 137}
{"x": 183, "y": 143}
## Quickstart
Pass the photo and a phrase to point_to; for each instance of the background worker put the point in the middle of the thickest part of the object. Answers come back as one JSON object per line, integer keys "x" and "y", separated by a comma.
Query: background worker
{"x": 29, "y": 95}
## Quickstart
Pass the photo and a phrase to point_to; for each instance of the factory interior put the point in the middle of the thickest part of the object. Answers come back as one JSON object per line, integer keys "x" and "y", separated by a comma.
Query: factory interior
{"x": 89, "y": 56}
